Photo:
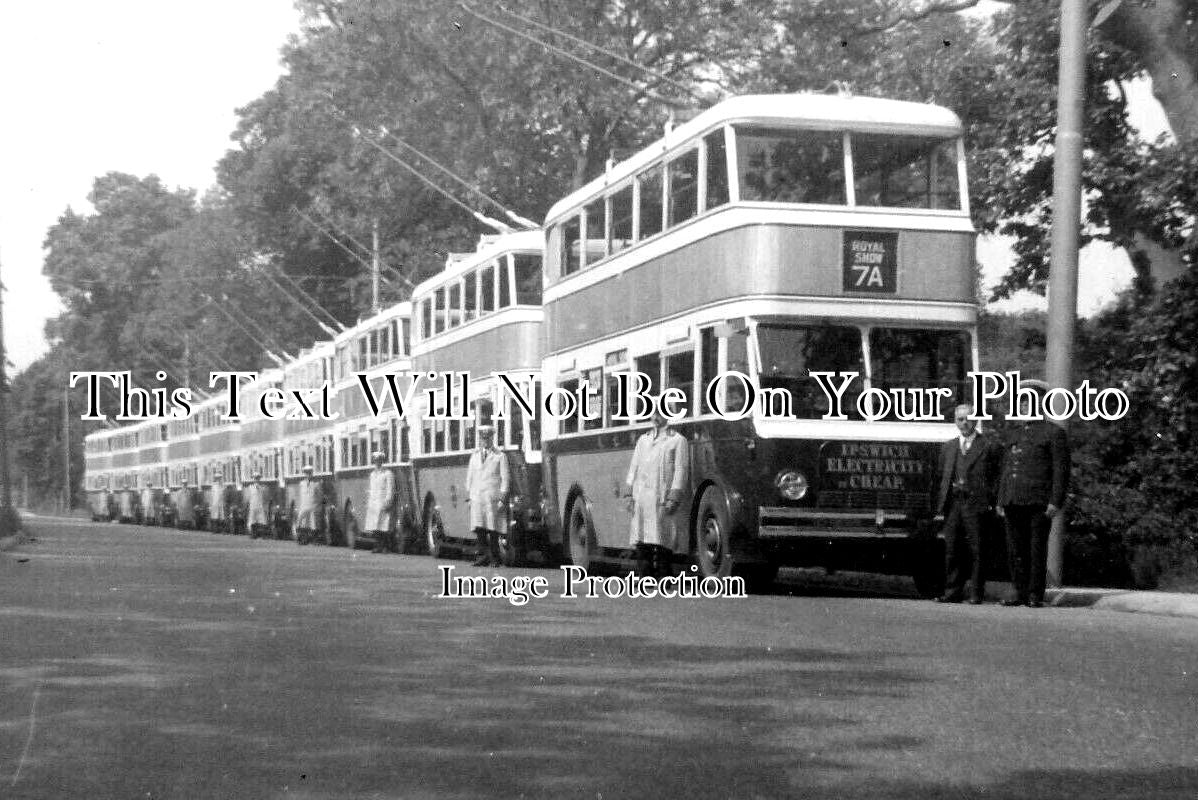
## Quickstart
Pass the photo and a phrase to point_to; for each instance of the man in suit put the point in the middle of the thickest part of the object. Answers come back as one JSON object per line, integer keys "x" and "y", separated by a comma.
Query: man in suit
{"x": 1035, "y": 479}
{"x": 969, "y": 473}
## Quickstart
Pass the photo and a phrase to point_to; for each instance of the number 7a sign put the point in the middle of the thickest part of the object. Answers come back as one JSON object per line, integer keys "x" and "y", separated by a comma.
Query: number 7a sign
{"x": 871, "y": 262}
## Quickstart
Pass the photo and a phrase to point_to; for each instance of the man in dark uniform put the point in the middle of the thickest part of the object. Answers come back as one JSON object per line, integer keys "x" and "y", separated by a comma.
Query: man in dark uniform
{"x": 969, "y": 473}
{"x": 1035, "y": 478}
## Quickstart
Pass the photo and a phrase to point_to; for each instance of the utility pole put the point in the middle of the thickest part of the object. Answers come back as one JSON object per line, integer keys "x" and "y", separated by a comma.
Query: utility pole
{"x": 6, "y": 512}
{"x": 1066, "y": 223}
{"x": 374, "y": 266}
{"x": 66, "y": 449}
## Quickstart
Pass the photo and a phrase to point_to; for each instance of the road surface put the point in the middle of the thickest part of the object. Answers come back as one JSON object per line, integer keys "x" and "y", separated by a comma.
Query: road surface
{"x": 147, "y": 663}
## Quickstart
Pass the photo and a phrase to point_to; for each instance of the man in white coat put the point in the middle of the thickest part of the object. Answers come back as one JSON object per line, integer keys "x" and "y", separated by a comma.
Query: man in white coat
{"x": 149, "y": 508}
{"x": 257, "y": 515}
{"x": 487, "y": 483}
{"x": 657, "y": 478}
{"x": 216, "y": 503}
{"x": 380, "y": 501}
{"x": 308, "y": 506}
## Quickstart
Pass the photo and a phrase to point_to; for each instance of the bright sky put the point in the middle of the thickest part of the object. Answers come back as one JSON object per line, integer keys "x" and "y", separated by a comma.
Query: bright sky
{"x": 146, "y": 86}
{"x": 137, "y": 86}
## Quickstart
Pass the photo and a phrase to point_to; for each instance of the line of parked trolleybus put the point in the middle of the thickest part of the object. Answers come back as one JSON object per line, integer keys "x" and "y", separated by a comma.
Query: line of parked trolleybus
{"x": 770, "y": 235}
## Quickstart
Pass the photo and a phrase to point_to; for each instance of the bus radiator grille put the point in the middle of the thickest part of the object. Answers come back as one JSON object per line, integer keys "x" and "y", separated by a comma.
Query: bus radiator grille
{"x": 906, "y": 501}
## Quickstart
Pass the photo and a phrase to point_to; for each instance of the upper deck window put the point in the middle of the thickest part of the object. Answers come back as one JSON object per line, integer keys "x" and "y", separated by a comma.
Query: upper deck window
{"x": 621, "y": 220}
{"x": 572, "y": 245}
{"x": 684, "y": 187}
{"x": 439, "y": 313}
{"x": 486, "y": 286}
{"x": 426, "y": 318}
{"x": 505, "y": 283}
{"x": 596, "y": 225}
{"x": 790, "y": 165}
{"x": 455, "y": 305}
{"x": 470, "y": 297}
{"x": 717, "y": 170}
{"x": 905, "y": 171}
{"x": 528, "y": 279}
{"x": 650, "y": 185}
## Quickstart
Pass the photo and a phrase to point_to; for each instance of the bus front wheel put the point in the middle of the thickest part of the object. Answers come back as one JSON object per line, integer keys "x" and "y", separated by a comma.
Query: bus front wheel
{"x": 712, "y": 555}
{"x": 580, "y": 535}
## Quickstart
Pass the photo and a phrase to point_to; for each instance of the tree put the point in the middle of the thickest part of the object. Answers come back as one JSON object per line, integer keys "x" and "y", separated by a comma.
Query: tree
{"x": 107, "y": 265}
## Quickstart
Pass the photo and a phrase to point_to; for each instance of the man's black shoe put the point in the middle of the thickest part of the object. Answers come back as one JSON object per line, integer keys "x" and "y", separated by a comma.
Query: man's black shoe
{"x": 1035, "y": 604}
{"x": 1014, "y": 603}
{"x": 948, "y": 598}
{"x": 975, "y": 601}
{"x": 482, "y": 561}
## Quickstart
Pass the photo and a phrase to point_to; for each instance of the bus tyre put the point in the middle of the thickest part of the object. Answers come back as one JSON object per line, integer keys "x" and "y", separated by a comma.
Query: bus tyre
{"x": 580, "y": 545}
{"x": 712, "y": 554}
{"x": 509, "y": 551}
{"x": 409, "y": 535}
{"x": 434, "y": 532}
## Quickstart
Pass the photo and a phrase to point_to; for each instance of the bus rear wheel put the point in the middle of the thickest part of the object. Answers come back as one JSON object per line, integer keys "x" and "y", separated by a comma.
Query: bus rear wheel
{"x": 580, "y": 536}
{"x": 712, "y": 554}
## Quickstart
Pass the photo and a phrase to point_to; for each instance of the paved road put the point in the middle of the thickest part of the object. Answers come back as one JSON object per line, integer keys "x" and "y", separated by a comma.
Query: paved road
{"x": 143, "y": 663}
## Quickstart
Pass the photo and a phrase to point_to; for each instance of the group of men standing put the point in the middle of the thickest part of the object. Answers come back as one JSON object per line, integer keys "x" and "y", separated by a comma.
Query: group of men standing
{"x": 1024, "y": 480}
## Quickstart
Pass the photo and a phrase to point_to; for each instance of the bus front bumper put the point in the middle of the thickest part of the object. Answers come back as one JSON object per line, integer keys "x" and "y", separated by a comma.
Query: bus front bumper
{"x": 776, "y": 522}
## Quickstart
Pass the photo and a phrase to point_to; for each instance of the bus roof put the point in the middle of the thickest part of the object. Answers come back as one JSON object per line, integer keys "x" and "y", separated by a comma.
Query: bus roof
{"x": 401, "y": 309}
{"x": 489, "y": 246}
{"x": 815, "y": 111}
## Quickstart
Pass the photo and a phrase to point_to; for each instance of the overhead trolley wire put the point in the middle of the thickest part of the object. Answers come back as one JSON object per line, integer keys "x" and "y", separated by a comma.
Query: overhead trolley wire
{"x": 647, "y": 92}
{"x": 599, "y": 49}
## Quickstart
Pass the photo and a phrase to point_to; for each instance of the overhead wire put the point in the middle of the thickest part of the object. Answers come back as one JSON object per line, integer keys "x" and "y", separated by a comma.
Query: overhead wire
{"x": 600, "y": 49}
{"x": 332, "y": 224}
{"x": 647, "y": 92}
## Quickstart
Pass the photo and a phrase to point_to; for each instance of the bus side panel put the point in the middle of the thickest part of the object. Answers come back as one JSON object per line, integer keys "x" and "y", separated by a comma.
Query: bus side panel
{"x": 512, "y": 346}
{"x": 444, "y": 479}
{"x": 598, "y": 465}
{"x": 760, "y": 260}
{"x": 352, "y": 487}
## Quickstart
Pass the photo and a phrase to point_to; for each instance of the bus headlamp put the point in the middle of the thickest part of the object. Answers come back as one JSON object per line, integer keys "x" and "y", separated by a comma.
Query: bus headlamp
{"x": 791, "y": 484}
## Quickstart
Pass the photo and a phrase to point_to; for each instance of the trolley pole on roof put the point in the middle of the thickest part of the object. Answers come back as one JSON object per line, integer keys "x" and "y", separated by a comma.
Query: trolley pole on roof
{"x": 1066, "y": 222}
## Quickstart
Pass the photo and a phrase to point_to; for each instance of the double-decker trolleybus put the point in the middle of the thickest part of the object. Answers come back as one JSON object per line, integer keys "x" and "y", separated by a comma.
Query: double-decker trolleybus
{"x": 308, "y": 439}
{"x": 220, "y": 470}
{"x": 97, "y": 482}
{"x": 481, "y": 316}
{"x": 774, "y": 237}
{"x": 152, "y": 476}
{"x": 182, "y": 453}
{"x": 377, "y": 346}
{"x": 262, "y": 447}
{"x": 124, "y": 443}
